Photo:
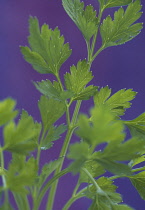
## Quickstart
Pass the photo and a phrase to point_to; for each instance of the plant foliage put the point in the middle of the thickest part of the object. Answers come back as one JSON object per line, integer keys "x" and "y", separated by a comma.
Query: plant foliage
{"x": 103, "y": 127}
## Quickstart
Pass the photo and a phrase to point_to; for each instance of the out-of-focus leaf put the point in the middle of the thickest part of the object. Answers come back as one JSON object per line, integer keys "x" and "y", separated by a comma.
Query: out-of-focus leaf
{"x": 7, "y": 112}
{"x": 22, "y": 138}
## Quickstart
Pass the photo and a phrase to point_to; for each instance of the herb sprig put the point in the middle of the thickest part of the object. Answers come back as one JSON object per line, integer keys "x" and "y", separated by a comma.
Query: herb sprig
{"x": 46, "y": 53}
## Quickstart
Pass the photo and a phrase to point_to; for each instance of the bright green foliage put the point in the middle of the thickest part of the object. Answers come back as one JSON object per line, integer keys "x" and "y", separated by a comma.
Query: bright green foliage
{"x": 21, "y": 173}
{"x": 85, "y": 19}
{"x": 47, "y": 50}
{"x": 138, "y": 182}
{"x": 103, "y": 146}
{"x": 137, "y": 126}
{"x": 46, "y": 171}
{"x": 52, "y": 135}
{"x": 106, "y": 197}
{"x": 102, "y": 128}
{"x": 94, "y": 169}
{"x": 78, "y": 157}
{"x": 136, "y": 161}
{"x": 48, "y": 89}
{"x": 21, "y": 138}
{"x": 122, "y": 28}
{"x": 6, "y": 111}
{"x": 51, "y": 110}
{"x": 6, "y": 206}
{"x": 113, "y": 3}
{"x": 77, "y": 80}
{"x": 117, "y": 103}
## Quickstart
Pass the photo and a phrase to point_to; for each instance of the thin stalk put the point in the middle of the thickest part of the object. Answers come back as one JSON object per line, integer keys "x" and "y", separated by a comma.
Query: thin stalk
{"x": 46, "y": 187}
{"x": 3, "y": 177}
{"x": 95, "y": 36}
{"x": 22, "y": 202}
{"x": 70, "y": 202}
{"x": 92, "y": 179}
{"x": 62, "y": 154}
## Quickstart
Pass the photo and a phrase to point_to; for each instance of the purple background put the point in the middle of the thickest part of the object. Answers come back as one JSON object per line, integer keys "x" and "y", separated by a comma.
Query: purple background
{"x": 119, "y": 67}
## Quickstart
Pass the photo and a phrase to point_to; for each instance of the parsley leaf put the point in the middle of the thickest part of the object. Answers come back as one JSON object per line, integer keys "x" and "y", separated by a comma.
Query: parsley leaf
{"x": 6, "y": 111}
{"x": 51, "y": 110}
{"x": 113, "y": 3}
{"x": 117, "y": 103}
{"x": 138, "y": 182}
{"x": 50, "y": 90}
{"x": 21, "y": 173}
{"x": 53, "y": 134}
{"x": 122, "y": 29}
{"x": 47, "y": 50}
{"x": 21, "y": 138}
{"x": 76, "y": 81}
{"x": 85, "y": 19}
{"x": 137, "y": 126}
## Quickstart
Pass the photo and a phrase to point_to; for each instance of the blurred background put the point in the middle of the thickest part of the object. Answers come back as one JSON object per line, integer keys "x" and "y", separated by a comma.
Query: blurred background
{"x": 118, "y": 67}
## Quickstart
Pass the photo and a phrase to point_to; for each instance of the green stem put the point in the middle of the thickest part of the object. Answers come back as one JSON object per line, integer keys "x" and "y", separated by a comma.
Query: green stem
{"x": 46, "y": 187}
{"x": 70, "y": 202}
{"x": 95, "y": 36}
{"x": 63, "y": 154}
{"x": 21, "y": 201}
{"x": 92, "y": 180}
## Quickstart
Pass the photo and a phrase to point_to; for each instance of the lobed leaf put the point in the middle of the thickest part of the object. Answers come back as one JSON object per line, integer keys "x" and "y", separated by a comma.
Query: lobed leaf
{"x": 51, "y": 110}
{"x": 113, "y": 3}
{"x": 117, "y": 103}
{"x": 47, "y": 170}
{"x": 76, "y": 81}
{"x": 21, "y": 174}
{"x": 7, "y": 112}
{"x": 48, "y": 89}
{"x": 47, "y": 50}
{"x": 21, "y": 138}
{"x": 138, "y": 182}
{"x": 122, "y": 29}
{"x": 137, "y": 126}
{"x": 85, "y": 19}
{"x": 102, "y": 128}
{"x": 52, "y": 135}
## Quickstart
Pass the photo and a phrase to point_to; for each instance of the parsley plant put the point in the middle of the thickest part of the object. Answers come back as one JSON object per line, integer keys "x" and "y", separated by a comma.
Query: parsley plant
{"x": 47, "y": 51}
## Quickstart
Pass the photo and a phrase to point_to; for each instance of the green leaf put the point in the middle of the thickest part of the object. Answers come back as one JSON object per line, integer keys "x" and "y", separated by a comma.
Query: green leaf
{"x": 117, "y": 103}
{"x": 122, "y": 29}
{"x": 52, "y": 135}
{"x": 7, "y": 112}
{"x": 47, "y": 50}
{"x": 6, "y": 206}
{"x": 137, "y": 126}
{"x": 113, "y": 3}
{"x": 86, "y": 93}
{"x": 114, "y": 167}
{"x": 47, "y": 170}
{"x": 102, "y": 128}
{"x": 94, "y": 169}
{"x": 121, "y": 207}
{"x": 105, "y": 198}
{"x": 21, "y": 138}
{"x": 115, "y": 152}
{"x": 48, "y": 89}
{"x": 85, "y": 19}
{"x": 51, "y": 110}
{"x": 137, "y": 161}
{"x": 138, "y": 182}
{"x": 21, "y": 173}
{"x": 79, "y": 152}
